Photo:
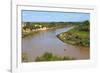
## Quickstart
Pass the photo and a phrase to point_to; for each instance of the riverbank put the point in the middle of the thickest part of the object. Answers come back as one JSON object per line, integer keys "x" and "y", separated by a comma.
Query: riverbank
{"x": 78, "y": 36}
{"x": 29, "y": 32}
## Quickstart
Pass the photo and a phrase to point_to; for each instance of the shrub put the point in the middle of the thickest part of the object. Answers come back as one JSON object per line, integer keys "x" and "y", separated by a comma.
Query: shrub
{"x": 50, "y": 57}
{"x": 24, "y": 57}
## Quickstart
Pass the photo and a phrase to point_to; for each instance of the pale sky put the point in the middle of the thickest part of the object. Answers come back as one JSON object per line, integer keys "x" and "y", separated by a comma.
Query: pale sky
{"x": 46, "y": 16}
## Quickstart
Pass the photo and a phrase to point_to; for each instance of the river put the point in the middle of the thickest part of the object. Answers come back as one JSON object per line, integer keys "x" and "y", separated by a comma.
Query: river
{"x": 46, "y": 41}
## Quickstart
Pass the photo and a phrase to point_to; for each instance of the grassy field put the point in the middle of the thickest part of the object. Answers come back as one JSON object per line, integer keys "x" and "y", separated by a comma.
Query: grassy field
{"x": 79, "y": 36}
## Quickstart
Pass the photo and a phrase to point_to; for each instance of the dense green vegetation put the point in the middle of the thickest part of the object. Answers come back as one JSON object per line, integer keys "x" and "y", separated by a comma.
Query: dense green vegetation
{"x": 79, "y": 36}
{"x": 50, "y": 57}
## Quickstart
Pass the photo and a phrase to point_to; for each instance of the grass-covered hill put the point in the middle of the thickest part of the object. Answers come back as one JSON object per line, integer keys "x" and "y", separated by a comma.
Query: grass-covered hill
{"x": 79, "y": 36}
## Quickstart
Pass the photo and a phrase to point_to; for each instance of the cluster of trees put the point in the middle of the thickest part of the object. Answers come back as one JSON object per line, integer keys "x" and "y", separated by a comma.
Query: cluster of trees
{"x": 29, "y": 25}
{"x": 37, "y": 25}
{"x": 85, "y": 26}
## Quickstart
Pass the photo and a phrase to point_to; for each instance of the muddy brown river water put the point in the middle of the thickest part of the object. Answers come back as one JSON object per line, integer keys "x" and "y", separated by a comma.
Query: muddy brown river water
{"x": 46, "y": 41}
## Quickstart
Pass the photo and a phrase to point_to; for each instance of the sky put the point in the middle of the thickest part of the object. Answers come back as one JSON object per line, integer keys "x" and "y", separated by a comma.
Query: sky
{"x": 47, "y": 16}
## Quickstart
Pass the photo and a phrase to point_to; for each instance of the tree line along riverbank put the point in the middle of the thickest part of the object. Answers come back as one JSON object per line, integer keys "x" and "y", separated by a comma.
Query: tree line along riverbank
{"x": 79, "y": 36}
{"x": 29, "y": 28}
